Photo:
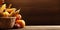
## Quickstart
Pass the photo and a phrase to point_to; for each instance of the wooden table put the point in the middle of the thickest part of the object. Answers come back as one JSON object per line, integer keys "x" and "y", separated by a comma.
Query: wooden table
{"x": 39, "y": 28}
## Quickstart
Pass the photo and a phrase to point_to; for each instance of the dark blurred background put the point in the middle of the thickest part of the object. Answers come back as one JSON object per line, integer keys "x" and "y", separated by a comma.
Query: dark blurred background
{"x": 38, "y": 12}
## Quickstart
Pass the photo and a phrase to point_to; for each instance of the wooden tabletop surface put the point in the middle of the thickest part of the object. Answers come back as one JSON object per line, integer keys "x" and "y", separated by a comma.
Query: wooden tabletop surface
{"x": 39, "y": 28}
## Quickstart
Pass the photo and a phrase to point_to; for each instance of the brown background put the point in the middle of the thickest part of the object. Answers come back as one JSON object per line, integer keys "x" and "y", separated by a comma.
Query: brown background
{"x": 38, "y": 12}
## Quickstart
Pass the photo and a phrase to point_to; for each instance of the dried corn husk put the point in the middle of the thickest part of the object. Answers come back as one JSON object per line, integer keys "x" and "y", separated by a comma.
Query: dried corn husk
{"x": 3, "y": 7}
{"x": 13, "y": 13}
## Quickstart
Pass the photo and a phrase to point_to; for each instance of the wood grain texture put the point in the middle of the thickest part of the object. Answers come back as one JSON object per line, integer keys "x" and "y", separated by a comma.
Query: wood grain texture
{"x": 39, "y": 28}
{"x": 38, "y": 11}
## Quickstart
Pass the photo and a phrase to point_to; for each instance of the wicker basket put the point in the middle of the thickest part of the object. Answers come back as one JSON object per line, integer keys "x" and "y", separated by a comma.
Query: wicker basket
{"x": 7, "y": 22}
